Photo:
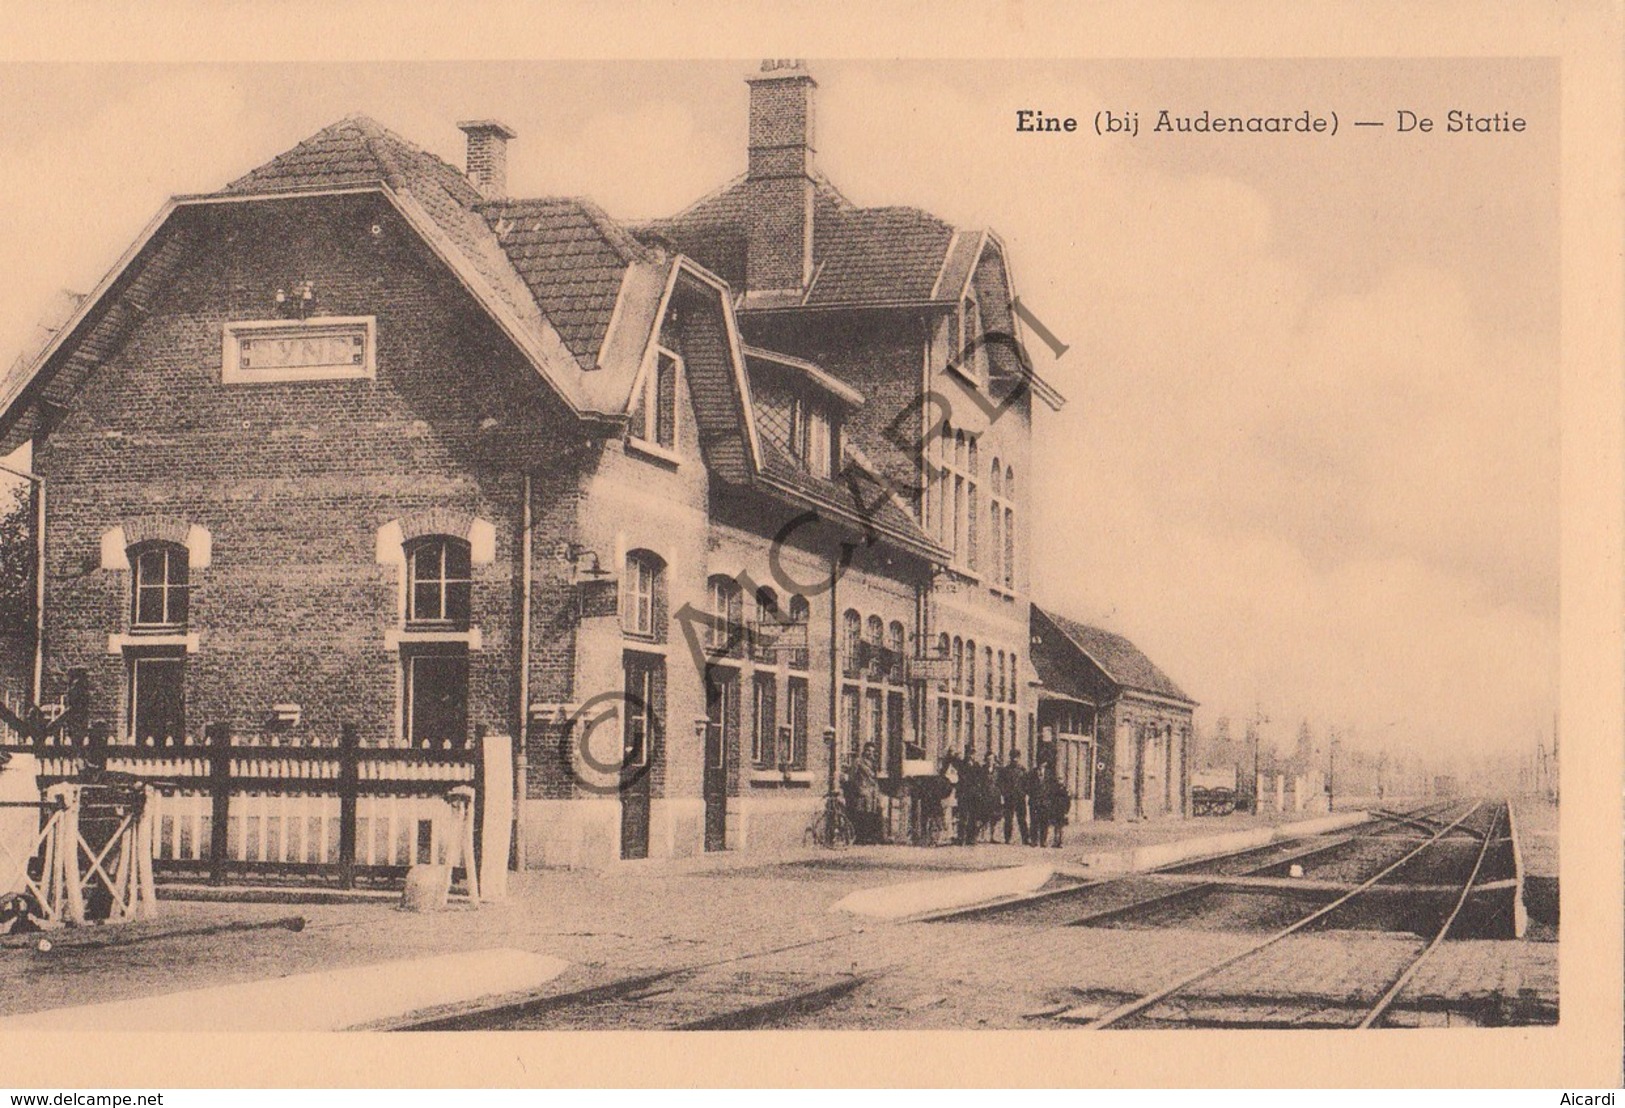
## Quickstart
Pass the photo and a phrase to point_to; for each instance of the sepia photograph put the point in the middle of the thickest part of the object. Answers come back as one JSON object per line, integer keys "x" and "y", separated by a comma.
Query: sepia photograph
{"x": 801, "y": 544}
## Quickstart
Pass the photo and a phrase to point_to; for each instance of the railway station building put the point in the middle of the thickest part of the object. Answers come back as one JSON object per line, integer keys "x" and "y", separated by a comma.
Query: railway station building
{"x": 361, "y": 445}
{"x": 1121, "y": 731}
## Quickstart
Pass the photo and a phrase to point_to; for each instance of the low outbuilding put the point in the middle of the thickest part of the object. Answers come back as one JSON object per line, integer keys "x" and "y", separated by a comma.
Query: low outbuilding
{"x": 1119, "y": 730}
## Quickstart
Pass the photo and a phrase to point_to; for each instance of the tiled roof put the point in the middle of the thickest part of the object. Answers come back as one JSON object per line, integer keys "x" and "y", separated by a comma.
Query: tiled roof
{"x": 357, "y": 150}
{"x": 1120, "y": 660}
{"x": 573, "y": 258}
{"x": 860, "y": 255}
{"x": 563, "y": 258}
{"x": 876, "y": 255}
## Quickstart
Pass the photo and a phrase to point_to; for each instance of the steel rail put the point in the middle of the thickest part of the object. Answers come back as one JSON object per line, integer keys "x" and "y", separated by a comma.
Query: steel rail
{"x": 513, "y": 1009}
{"x": 1161, "y": 899}
{"x": 1133, "y": 1007}
{"x": 1200, "y": 887}
{"x": 1380, "y": 1008}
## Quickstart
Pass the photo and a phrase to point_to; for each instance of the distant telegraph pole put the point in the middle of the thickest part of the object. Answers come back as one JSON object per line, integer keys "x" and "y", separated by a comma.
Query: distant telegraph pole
{"x": 1331, "y": 772}
{"x": 1259, "y": 719}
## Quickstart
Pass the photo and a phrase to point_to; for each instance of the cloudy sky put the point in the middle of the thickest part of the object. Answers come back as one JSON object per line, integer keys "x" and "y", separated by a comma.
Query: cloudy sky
{"x": 1309, "y": 459}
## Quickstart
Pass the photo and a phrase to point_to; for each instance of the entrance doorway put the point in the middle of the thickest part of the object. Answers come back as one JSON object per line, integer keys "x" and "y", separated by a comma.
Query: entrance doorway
{"x": 1074, "y": 765}
{"x": 722, "y": 725}
{"x": 640, "y": 746}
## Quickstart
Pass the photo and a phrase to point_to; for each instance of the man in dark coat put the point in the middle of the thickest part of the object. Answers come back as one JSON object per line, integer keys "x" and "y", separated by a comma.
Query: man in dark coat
{"x": 1013, "y": 787}
{"x": 972, "y": 784}
{"x": 1059, "y": 806}
{"x": 988, "y": 813}
{"x": 1038, "y": 801}
{"x": 863, "y": 797}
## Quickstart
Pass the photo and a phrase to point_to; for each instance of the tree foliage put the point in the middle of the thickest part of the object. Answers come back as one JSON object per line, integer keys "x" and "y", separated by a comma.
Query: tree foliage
{"x": 17, "y": 552}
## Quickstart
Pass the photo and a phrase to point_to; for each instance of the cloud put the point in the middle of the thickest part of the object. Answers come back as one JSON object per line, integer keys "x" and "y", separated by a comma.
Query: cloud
{"x": 1323, "y": 478}
{"x": 1333, "y": 493}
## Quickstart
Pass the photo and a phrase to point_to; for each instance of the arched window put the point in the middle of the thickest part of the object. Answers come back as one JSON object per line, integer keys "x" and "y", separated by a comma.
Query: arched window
{"x": 939, "y": 485}
{"x": 1001, "y": 675}
{"x": 767, "y": 617}
{"x": 641, "y": 599}
{"x": 1013, "y": 679}
{"x": 973, "y": 511}
{"x": 875, "y": 633}
{"x": 1009, "y": 528}
{"x": 800, "y": 613}
{"x": 894, "y": 643}
{"x": 438, "y": 582}
{"x": 970, "y": 667}
{"x": 956, "y": 541}
{"x": 995, "y": 532}
{"x": 161, "y": 586}
{"x": 959, "y": 665}
{"x": 851, "y": 636}
{"x": 727, "y": 633}
{"x": 987, "y": 668}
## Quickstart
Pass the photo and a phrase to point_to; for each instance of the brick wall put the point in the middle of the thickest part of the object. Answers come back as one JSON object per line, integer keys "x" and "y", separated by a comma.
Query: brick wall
{"x": 883, "y": 356}
{"x": 1120, "y": 735}
{"x": 293, "y": 480}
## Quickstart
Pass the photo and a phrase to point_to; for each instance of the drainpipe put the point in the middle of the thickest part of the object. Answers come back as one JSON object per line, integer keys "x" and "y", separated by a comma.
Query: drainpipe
{"x": 39, "y": 575}
{"x": 522, "y": 754}
{"x": 834, "y": 672}
{"x": 922, "y": 705}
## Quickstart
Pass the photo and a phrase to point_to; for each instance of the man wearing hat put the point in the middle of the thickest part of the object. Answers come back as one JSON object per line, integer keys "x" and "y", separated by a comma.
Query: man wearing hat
{"x": 1013, "y": 785}
{"x": 863, "y": 796}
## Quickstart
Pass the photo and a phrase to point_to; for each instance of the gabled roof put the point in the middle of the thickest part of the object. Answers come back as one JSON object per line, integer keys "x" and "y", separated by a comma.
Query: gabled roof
{"x": 1113, "y": 656}
{"x": 555, "y": 259}
{"x": 357, "y": 150}
{"x": 557, "y": 275}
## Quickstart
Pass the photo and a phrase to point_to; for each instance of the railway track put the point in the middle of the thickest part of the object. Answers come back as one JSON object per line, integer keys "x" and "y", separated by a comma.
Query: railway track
{"x": 1123, "y": 898}
{"x": 702, "y": 998}
{"x": 759, "y": 989}
{"x": 1369, "y": 1008}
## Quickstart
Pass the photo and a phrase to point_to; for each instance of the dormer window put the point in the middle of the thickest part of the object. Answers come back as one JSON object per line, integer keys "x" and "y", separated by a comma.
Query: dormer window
{"x": 972, "y": 354}
{"x": 439, "y": 583}
{"x": 162, "y": 587}
{"x": 820, "y": 443}
{"x": 654, "y": 417}
{"x": 812, "y": 437}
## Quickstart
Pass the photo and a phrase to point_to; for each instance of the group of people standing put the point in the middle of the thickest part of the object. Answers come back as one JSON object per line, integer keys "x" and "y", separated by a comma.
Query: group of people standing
{"x": 1033, "y": 802}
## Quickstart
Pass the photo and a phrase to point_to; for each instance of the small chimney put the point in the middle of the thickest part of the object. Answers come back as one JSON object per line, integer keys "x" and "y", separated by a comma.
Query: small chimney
{"x": 780, "y": 236}
{"x": 488, "y": 155}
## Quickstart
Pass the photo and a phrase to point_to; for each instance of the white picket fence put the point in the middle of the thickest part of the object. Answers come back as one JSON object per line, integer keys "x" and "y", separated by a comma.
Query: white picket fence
{"x": 304, "y": 829}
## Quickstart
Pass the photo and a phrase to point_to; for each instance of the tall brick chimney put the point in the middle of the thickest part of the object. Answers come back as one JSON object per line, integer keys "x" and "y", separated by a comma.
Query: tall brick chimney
{"x": 488, "y": 155}
{"x": 780, "y": 236}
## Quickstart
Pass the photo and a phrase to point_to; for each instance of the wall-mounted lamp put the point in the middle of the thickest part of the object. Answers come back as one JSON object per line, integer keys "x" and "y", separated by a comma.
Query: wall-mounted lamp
{"x": 592, "y": 571}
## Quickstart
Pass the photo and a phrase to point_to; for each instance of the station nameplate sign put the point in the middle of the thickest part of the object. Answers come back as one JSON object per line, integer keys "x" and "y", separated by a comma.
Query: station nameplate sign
{"x": 312, "y": 350}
